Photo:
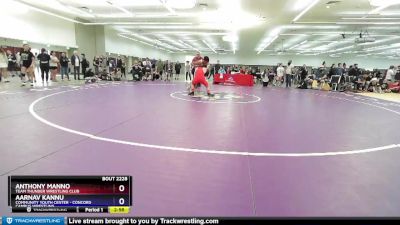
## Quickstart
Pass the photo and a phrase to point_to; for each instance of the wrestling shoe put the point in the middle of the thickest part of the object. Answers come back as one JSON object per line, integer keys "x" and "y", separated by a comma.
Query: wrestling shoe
{"x": 191, "y": 93}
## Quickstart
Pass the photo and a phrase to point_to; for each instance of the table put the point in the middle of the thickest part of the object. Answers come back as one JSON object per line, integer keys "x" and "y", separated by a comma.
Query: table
{"x": 234, "y": 79}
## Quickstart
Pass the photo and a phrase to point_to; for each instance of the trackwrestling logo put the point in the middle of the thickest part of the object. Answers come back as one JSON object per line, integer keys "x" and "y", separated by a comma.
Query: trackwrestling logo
{"x": 33, "y": 220}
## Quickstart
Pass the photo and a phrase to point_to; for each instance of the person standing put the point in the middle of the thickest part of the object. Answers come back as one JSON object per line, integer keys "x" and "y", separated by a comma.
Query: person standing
{"x": 168, "y": 70}
{"x": 345, "y": 69}
{"x": 37, "y": 64}
{"x": 3, "y": 65}
{"x": 12, "y": 61}
{"x": 96, "y": 65}
{"x": 280, "y": 72}
{"x": 28, "y": 66}
{"x": 159, "y": 68}
{"x": 104, "y": 64}
{"x": 76, "y": 64}
{"x": 64, "y": 66}
{"x": 85, "y": 65}
{"x": 188, "y": 71}
{"x": 332, "y": 71}
{"x": 123, "y": 68}
{"x": 289, "y": 72}
{"x": 153, "y": 68}
{"x": 178, "y": 67}
{"x": 44, "y": 64}
{"x": 390, "y": 74}
{"x": 339, "y": 69}
{"x": 54, "y": 66}
{"x": 111, "y": 65}
{"x": 119, "y": 65}
{"x": 18, "y": 63}
{"x": 148, "y": 68}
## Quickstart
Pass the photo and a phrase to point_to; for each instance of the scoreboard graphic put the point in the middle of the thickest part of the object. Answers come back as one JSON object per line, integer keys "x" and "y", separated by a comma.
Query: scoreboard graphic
{"x": 70, "y": 194}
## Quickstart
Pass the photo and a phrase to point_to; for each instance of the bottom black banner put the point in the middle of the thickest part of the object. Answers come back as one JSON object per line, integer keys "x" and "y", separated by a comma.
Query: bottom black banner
{"x": 223, "y": 221}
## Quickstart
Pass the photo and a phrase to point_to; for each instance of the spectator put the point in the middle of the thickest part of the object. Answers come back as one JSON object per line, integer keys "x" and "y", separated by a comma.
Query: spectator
{"x": 271, "y": 77}
{"x": 3, "y": 66}
{"x": 85, "y": 65}
{"x": 123, "y": 68}
{"x": 390, "y": 74}
{"x": 28, "y": 65}
{"x": 137, "y": 72}
{"x": 228, "y": 70}
{"x": 111, "y": 65}
{"x": 116, "y": 75}
{"x": 37, "y": 64}
{"x": 104, "y": 63}
{"x": 44, "y": 63}
{"x": 339, "y": 70}
{"x": 147, "y": 69}
{"x": 178, "y": 67}
{"x": 76, "y": 64}
{"x": 53, "y": 66}
{"x": 332, "y": 71}
{"x": 280, "y": 72}
{"x": 119, "y": 63}
{"x": 96, "y": 65}
{"x": 242, "y": 70}
{"x": 12, "y": 63}
{"x": 18, "y": 62}
{"x": 351, "y": 71}
{"x": 168, "y": 70}
{"x": 221, "y": 70}
{"x": 187, "y": 71}
{"x": 358, "y": 71}
{"x": 153, "y": 68}
{"x": 159, "y": 67}
{"x": 64, "y": 66}
{"x": 265, "y": 78}
{"x": 397, "y": 76}
{"x": 289, "y": 72}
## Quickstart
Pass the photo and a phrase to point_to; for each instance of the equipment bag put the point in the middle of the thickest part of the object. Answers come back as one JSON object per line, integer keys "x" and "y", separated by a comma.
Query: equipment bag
{"x": 325, "y": 87}
{"x": 314, "y": 84}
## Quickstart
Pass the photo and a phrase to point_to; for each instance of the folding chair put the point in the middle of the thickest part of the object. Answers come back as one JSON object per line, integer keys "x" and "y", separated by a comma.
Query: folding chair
{"x": 335, "y": 80}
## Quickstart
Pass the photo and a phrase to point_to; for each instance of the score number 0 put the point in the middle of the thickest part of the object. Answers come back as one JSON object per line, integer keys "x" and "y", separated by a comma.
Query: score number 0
{"x": 121, "y": 188}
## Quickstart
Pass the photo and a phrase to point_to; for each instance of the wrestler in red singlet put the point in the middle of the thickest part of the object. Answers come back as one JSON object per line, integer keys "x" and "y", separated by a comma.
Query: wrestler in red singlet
{"x": 200, "y": 78}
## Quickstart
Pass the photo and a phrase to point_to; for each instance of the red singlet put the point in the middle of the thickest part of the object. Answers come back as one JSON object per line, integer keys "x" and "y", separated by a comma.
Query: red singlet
{"x": 199, "y": 78}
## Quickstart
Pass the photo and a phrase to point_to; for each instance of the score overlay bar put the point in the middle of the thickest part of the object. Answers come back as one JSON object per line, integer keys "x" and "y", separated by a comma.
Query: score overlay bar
{"x": 69, "y": 193}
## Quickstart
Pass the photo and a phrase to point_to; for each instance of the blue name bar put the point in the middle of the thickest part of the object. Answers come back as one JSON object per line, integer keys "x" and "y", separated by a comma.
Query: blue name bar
{"x": 33, "y": 220}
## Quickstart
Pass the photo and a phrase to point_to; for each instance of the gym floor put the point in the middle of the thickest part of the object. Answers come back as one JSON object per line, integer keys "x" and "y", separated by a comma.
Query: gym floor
{"x": 251, "y": 151}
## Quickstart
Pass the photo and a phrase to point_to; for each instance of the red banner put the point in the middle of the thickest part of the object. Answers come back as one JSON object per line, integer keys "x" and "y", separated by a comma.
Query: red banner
{"x": 234, "y": 79}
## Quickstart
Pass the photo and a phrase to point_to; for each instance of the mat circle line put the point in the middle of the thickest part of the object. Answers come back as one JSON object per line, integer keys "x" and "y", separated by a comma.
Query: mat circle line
{"x": 203, "y": 151}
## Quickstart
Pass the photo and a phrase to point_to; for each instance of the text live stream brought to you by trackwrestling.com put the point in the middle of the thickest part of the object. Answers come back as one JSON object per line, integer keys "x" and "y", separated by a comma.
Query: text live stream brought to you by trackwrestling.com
{"x": 9, "y": 220}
